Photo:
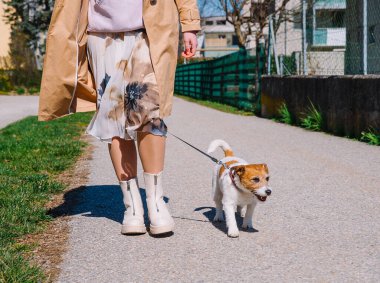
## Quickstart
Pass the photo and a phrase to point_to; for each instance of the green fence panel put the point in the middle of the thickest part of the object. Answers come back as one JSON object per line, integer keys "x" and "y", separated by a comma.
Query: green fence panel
{"x": 230, "y": 79}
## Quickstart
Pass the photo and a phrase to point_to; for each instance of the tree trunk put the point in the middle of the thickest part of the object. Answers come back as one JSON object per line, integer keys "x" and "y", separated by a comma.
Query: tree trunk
{"x": 240, "y": 36}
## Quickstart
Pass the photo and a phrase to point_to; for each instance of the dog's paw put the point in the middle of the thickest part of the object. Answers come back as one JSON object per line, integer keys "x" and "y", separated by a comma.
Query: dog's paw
{"x": 218, "y": 217}
{"x": 233, "y": 232}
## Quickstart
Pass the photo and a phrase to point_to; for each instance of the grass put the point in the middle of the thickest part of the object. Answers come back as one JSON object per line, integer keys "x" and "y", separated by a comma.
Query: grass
{"x": 32, "y": 154}
{"x": 216, "y": 105}
{"x": 370, "y": 137}
{"x": 313, "y": 120}
{"x": 285, "y": 116}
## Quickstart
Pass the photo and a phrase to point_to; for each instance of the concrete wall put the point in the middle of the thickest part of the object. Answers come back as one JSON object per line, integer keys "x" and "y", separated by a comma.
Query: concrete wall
{"x": 326, "y": 62}
{"x": 349, "y": 104}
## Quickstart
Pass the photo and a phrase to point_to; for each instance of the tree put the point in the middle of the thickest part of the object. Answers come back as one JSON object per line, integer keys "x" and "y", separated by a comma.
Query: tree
{"x": 30, "y": 17}
{"x": 29, "y": 21}
{"x": 250, "y": 17}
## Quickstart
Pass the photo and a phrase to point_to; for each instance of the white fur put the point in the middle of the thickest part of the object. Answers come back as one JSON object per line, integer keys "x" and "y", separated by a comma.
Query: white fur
{"x": 227, "y": 198}
{"x": 218, "y": 143}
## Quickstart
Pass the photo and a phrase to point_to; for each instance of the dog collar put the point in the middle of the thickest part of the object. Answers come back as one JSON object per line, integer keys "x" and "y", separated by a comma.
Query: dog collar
{"x": 231, "y": 172}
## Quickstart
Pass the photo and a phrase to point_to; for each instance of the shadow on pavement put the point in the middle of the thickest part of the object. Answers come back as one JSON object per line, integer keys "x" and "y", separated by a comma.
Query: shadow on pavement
{"x": 107, "y": 201}
{"x": 96, "y": 201}
{"x": 210, "y": 214}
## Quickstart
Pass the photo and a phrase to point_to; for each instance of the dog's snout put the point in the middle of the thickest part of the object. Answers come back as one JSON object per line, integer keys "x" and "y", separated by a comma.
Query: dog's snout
{"x": 268, "y": 192}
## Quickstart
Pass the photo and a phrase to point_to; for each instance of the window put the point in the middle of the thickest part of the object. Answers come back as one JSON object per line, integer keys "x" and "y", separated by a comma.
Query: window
{"x": 221, "y": 23}
{"x": 220, "y": 36}
{"x": 371, "y": 34}
{"x": 330, "y": 19}
{"x": 235, "y": 40}
{"x": 209, "y": 23}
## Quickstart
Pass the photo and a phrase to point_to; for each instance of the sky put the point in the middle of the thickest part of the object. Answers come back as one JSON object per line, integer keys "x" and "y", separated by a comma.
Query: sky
{"x": 209, "y": 8}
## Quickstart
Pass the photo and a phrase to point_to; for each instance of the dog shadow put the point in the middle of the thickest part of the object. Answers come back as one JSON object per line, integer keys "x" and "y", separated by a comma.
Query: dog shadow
{"x": 209, "y": 213}
{"x": 97, "y": 201}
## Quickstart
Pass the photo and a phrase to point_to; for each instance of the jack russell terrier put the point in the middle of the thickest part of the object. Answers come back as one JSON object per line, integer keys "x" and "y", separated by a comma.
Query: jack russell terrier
{"x": 238, "y": 185}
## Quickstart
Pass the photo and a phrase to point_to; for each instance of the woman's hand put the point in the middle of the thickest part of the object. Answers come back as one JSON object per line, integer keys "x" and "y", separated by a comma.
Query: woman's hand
{"x": 190, "y": 42}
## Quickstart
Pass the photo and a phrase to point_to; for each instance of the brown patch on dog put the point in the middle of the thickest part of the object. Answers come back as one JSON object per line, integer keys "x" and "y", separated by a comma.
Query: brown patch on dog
{"x": 228, "y": 152}
{"x": 227, "y": 163}
{"x": 250, "y": 173}
{"x": 49, "y": 245}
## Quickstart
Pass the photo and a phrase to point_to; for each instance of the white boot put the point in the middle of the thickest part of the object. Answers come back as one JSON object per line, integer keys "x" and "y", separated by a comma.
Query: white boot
{"x": 133, "y": 222}
{"x": 159, "y": 216}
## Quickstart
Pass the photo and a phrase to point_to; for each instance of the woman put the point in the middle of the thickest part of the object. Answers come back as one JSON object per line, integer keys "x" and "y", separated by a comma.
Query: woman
{"x": 131, "y": 48}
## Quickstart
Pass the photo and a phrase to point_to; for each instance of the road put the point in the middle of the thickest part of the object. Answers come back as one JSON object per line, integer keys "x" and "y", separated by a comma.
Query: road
{"x": 320, "y": 224}
{"x": 14, "y": 108}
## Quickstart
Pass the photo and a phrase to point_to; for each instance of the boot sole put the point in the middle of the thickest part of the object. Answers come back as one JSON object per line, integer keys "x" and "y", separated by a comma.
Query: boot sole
{"x": 156, "y": 230}
{"x": 132, "y": 230}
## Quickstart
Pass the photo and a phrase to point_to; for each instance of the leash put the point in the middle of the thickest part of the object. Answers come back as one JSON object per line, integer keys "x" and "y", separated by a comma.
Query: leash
{"x": 230, "y": 170}
{"x": 204, "y": 153}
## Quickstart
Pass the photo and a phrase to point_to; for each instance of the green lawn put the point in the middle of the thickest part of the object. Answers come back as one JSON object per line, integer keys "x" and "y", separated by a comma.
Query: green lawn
{"x": 32, "y": 154}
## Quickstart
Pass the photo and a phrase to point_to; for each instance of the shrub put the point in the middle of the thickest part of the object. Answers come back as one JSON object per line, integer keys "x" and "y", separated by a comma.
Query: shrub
{"x": 285, "y": 116}
{"x": 33, "y": 90}
{"x": 5, "y": 83}
{"x": 20, "y": 90}
{"x": 313, "y": 120}
{"x": 370, "y": 137}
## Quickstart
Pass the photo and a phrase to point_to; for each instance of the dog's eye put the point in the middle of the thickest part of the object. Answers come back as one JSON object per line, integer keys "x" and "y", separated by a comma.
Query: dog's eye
{"x": 267, "y": 178}
{"x": 256, "y": 179}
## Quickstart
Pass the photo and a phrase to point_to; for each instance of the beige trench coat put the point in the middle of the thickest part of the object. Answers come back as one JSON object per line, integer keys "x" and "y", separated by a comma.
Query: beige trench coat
{"x": 67, "y": 84}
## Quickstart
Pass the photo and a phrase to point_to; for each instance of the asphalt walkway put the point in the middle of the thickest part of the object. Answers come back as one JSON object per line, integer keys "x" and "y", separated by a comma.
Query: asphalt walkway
{"x": 14, "y": 108}
{"x": 320, "y": 224}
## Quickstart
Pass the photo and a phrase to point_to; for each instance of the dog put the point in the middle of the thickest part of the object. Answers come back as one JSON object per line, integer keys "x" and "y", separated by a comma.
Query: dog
{"x": 241, "y": 186}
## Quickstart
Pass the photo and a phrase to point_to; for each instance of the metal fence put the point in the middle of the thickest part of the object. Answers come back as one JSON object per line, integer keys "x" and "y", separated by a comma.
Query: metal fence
{"x": 328, "y": 37}
{"x": 233, "y": 79}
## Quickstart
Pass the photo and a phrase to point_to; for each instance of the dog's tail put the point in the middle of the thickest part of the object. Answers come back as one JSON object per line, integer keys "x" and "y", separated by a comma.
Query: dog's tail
{"x": 220, "y": 143}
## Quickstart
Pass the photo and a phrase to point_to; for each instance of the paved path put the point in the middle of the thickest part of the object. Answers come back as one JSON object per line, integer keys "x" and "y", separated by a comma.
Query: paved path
{"x": 14, "y": 108}
{"x": 321, "y": 223}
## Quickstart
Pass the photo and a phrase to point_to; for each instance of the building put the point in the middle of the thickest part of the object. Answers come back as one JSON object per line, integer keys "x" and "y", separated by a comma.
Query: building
{"x": 289, "y": 34}
{"x": 328, "y": 27}
{"x": 5, "y": 33}
{"x": 363, "y": 48}
{"x": 326, "y": 37}
{"x": 217, "y": 37}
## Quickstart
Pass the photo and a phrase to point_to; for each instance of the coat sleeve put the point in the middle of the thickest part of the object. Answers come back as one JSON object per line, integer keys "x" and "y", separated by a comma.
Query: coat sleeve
{"x": 189, "y": 15}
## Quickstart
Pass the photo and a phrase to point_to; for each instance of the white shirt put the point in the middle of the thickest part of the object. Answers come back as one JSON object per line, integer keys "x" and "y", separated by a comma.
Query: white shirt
{"x": 115, "y": 15}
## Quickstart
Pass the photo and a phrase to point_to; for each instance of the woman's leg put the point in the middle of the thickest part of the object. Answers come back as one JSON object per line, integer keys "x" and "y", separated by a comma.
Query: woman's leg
{"x": 124, "y": 158}
{"x": 152, "y": 151}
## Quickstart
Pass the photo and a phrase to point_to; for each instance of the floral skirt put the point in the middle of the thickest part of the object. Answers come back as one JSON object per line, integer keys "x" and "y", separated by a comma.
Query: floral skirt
{"x": 128, "y": 98}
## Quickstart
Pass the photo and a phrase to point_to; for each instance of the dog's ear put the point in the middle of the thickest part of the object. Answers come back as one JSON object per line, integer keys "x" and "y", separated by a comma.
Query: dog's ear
{"x": 240, "y": 170}
{"x": 265, "y": 167}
